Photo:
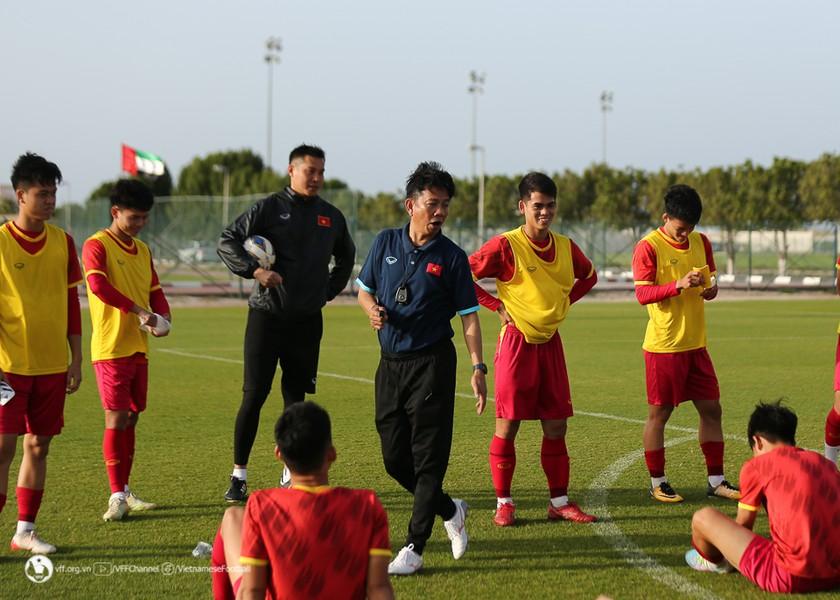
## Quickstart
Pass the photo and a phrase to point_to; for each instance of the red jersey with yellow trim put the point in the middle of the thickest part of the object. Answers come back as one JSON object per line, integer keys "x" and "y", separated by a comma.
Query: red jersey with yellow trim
{"x": 128, "y": 268}
{"x": 677, "y": 318}
{"x": 316, "y": 541}
{"x": 37, "y": 272}
{"x": 800, "y": 490}
{"x": 536, "y": 282}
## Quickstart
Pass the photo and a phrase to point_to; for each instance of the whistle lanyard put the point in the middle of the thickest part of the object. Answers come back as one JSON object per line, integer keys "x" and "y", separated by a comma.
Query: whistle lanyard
{"x": 407, "y": 273}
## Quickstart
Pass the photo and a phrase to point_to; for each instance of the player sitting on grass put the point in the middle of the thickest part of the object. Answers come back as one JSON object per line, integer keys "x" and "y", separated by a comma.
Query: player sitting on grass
{"x": 122, "y": 283}
{"x": 39, "y": 318}
{"x": 673, "y": 269}
{"x": 800, "y": 490}
{"x": 539, "y": 275}
{"x": 309, "y": 540}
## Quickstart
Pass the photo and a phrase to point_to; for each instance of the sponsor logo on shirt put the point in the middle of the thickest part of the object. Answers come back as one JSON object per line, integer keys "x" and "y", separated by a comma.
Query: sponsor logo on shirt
{"x": 674, "y": 261}
{"x": 19, "y": 265}
{"x": 434, "y": 269}
{"x": 531, "y": 269}
{"x": 285, "y": 216}
{"x": 391, "y": 260}
{"x": 324, "y": 221}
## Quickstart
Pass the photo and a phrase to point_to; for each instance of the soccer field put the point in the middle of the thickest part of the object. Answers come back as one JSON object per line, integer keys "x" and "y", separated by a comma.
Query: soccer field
{"x": 762, "y": 350}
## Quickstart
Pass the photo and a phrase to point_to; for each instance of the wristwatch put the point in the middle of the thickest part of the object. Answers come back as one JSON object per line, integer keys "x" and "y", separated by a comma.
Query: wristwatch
{"x": 480, "y": 367}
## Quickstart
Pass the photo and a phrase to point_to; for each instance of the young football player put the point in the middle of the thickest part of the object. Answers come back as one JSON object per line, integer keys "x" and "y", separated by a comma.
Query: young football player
{"x": 674, "y": 273}
{"x": 309, "y": 540}
{"x": 39, "y": 318}
{"x": 539, "y": 274}
{"x": 799, "y": 489}
{"x": 124, "y": 294}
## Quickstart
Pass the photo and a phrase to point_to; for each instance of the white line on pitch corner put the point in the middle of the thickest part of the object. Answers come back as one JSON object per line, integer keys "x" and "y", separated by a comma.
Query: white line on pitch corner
{"x": 597, "y": 501}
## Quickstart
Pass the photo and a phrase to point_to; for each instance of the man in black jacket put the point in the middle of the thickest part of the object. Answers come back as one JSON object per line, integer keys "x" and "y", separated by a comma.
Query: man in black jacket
{"x": 284, "y": 310}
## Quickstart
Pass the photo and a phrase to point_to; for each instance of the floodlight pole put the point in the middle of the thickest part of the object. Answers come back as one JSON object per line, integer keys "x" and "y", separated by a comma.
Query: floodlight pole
{"x": 475, "y": 88}
{"x": 480, "y": 149}
{"x": 273, "y": 46}
{"x": 225, "y": 192}
{"x": 606, "y": 106}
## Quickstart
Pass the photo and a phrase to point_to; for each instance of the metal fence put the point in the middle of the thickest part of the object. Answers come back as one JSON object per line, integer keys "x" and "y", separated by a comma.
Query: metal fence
{"x": 182, "y": 233}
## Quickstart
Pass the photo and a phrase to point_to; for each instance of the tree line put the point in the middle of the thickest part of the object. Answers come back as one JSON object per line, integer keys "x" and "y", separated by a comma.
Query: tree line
{"x": 779, "y": 197}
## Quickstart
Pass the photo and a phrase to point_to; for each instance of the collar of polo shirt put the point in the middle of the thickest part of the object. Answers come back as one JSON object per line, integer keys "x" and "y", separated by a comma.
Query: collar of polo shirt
{"x": 408, "y": 245}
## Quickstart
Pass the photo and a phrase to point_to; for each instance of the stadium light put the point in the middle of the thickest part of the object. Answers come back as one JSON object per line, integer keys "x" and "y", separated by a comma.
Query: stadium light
{"x": 475, "y": 88}
{"x": 606, "y": 106}
{"x": 273, "y": 46}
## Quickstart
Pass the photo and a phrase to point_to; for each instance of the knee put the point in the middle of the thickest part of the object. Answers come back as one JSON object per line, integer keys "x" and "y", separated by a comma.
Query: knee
{"x": 711, "y": 411}
{"x": 701, "y": 519}
{"x": 36, "y": 447}
{"x": 658, "y": 415}
{"x": 232, "y": 520}
{"x": 506, "y": 430}
{"x": 132, "y": 419}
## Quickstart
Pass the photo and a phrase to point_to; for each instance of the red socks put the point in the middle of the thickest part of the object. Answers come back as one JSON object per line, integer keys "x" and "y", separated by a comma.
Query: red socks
{"x": 29, "y": 501}
{"x": 713, "y": 453}
{"x": 832, "y": 428}
{"x": 222, "y": 589}
{"x": 655, "y": 460}
{"x": 113, "y": 451}
{"x": 502, "y": 465}
{"x": 555, "y": 462}
{"x": 129, "y": 453}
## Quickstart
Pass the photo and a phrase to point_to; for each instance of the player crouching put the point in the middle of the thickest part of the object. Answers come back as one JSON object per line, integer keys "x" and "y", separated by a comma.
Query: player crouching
{"x": 309, "y": 540}
{"x": 122, "y": 283}
{"x": 800, "y": 491}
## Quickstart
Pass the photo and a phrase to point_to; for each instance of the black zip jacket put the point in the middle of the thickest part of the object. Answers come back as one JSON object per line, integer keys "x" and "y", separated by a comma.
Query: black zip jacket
{"x": 305, "y": 232}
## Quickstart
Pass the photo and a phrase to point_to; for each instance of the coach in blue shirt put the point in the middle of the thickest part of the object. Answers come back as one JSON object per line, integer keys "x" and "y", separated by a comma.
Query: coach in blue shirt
{"x": 413, "y": 282}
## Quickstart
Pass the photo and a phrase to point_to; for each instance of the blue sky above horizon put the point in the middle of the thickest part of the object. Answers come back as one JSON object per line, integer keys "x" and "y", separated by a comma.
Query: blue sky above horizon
{"x": 382, "y": 85}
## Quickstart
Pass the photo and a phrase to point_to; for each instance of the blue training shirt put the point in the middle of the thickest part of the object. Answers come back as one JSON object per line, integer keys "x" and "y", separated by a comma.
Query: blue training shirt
{"x": 439, "y": 282}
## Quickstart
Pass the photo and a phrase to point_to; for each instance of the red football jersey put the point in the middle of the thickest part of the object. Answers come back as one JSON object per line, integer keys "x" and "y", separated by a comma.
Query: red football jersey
{"x": 800, "y": 490}
{"x": 316, "y": 542}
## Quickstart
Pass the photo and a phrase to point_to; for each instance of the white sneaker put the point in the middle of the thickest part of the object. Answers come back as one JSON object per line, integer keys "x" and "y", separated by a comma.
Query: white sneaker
{"x": 136, "y": 504}
{"x": 117, "y": 507}
{"x": 456, "y": 529}
{"x": 30, "y": 541}
{"x": 286, "y": 478}
{"x": 407, "y": 562}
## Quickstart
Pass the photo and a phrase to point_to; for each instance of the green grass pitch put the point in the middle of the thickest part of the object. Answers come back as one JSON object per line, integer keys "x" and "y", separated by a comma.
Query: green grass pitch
{"x": 762, "y": 350}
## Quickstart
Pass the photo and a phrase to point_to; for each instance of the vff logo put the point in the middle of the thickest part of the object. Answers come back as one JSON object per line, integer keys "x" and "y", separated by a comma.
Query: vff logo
{"x": 38, "y": 569}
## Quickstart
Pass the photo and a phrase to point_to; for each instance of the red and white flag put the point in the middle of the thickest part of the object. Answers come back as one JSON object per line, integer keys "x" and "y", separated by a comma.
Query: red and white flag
{"x": 136, "y": 161}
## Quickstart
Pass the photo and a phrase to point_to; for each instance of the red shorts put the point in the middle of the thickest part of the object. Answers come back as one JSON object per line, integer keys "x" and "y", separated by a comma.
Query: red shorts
{"x": 759, "y": 565}
{"x": 675, "y": 377}
{"x": 38, "y": 405}
{"x": 531, "y": 379}
{"x": 123, "y": 382}
{"x": 837, "y": 366}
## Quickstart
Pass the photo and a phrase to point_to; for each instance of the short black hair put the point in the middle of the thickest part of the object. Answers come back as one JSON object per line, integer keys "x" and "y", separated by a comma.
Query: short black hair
{"x": 132, "y": 193}
{"x": 426, "y": 176}
{"x": 303, "y": 434}
{"x": 306, "y": 150}
{"x": 536, "y": 182}
{"x": 32, "y": 169}
{"x": 683, "y": 202}
{"x": 773, "y": 422}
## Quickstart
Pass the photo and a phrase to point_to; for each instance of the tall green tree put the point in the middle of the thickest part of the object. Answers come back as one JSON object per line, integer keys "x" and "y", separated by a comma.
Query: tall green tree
{"x": 724, "y": 205}
{"x": 204, "y": 176}
{"x": 820, "y": 188}
{"x": 784, "y": 209}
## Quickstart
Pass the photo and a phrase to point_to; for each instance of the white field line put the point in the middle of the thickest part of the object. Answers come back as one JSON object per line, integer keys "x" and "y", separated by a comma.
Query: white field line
{"x": 597, "y": 501}
{"x": 597, "y": 415}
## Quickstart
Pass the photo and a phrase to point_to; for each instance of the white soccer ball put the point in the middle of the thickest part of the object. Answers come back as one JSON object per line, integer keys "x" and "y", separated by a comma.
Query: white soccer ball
{"x": 261, "y": 249}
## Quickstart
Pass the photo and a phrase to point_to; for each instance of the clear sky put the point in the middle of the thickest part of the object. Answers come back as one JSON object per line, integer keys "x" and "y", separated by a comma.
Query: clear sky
{"x": 382, "y": 84}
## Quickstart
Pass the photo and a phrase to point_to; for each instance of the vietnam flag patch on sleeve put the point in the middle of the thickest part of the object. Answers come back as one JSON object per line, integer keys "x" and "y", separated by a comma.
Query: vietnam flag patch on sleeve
{"x": 434, "y": 269}
{"x": 324, "y": 221}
